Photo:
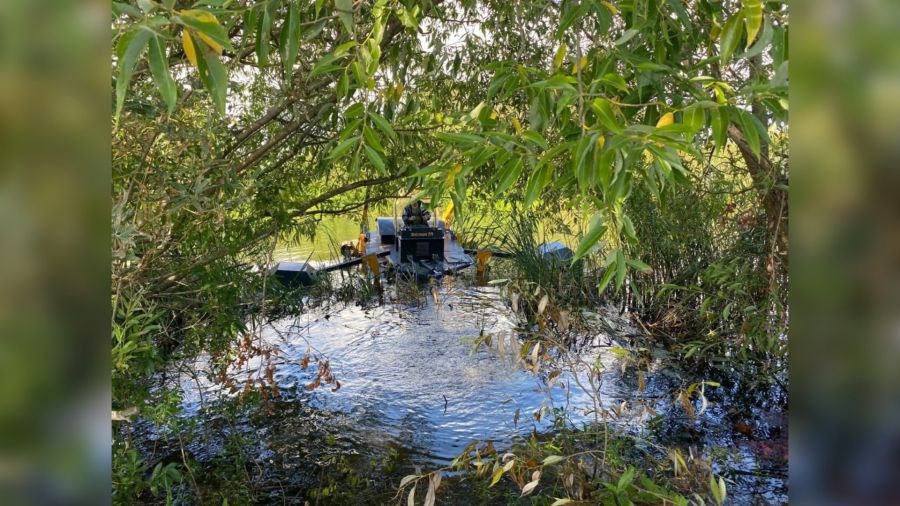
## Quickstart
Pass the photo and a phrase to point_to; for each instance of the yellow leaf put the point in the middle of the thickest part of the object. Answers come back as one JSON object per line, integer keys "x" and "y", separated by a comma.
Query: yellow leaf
{"x": 560, "y": 56}
{"x": 448, "y": 213}
{"x": 580, "y": 65}
{"x": 200, "y": 15}
{"x": 204, "y": 17}
{"x": 517, "y": 125}
{"x": 371, "y": 261}
{"x": 451, "y": 174}
{"x": 211, "y": 43}
{"x": 612, "y": 8}
{"x": 482, "y": 257}
{"x": 666, "y": 119}
{"x": 188, "y": 43}
{"x": 601, "y": 141}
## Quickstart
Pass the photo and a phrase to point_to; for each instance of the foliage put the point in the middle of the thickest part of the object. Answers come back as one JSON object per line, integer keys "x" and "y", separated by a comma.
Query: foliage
{"x": 240, "y": 123}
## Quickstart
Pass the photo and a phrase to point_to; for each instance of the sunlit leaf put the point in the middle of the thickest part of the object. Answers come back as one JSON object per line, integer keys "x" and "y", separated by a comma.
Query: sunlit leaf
{"x": 730, "y": 38}
{"x": 207, "y": 28}
{"x": 694, "y": 117}
{"x": 719, "y": 122}
{"x": 665, "y": 120}
{"x": 560, "y": 56}
{"x": 753, "y": 18}
{"x": 498, "y": 474}
{"x": 595, "y": 232}
{"x": 509, "y": 174}
{"x": 537, "y": 182}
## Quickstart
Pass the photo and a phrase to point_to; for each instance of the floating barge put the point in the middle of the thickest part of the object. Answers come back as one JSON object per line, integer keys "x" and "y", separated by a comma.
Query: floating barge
{"x": 415, "y": 246}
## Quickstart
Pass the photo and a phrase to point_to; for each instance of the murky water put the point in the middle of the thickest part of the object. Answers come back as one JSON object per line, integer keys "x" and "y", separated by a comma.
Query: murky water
{"x": 411, "y": 381}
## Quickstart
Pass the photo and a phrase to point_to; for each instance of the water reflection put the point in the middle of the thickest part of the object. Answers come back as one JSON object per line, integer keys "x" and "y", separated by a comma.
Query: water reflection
{"x": 411, "y": 382}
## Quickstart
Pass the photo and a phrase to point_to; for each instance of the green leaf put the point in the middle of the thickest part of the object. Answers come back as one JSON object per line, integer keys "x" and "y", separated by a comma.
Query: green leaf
{"x": 131, "y": 46}
{"x": 290, "y": 39}
{"x": 603, "y": 109}
{"x": 730, "y": 38}
{"x": 344, "y": 48}
{"x": 620, "y": 269}
{"x": 213, "y": 75}
{"x": 604, "y": 167}
{"x": 753, "y": 18}
{"x": 640, "y": 266}
{"x": 718, "y": 489}
{"x": 762, "y": 42}
{"x": 119, "y": 8}
{"x": 344, "y": 11}
{"x": 342, "y": 148}
{"x": 383, "y": 124}
{"x": 625, "y": 480}
{"x": 719, "y": 127}
{"x": 537, "y": 183}
{"x": 356, "y": 110}
{"x": 375, "y": 158}
{"x": 582, "y": 151}
{"x": 552, "y": 459}
{"x": 309, "y": 32}
{"x": 535, "y": 138}
{"x": 749, "y": 131}
{"x": 605, "y": 279}
{"x": 681, "y": 13}
{"x": 694, "y": 117}
{"x": 570, "y": 12}
{"x": 616, "y": 81}
{"x": 343, "y": 86}
{"x": 159, "y": 68}
{"x": 628, "y": 35}
{"x": 324, "y": 66}
{"x": 509, "y": 174}
{"x": 372, "y": 139}
{"x": 263, "y": 31}
{"x": 462, "y": 140}
{"x": 594, "y": 234}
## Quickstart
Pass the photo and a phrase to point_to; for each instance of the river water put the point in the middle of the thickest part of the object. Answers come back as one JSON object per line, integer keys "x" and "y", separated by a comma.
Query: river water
{"x": 412, "y": 383}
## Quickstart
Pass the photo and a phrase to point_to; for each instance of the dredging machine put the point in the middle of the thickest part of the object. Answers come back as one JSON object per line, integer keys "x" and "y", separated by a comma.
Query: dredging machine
{"x": 415, "y": 245}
